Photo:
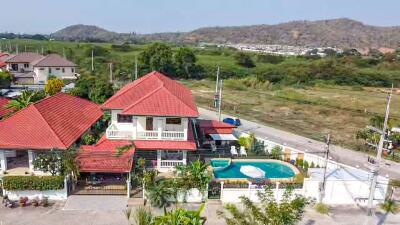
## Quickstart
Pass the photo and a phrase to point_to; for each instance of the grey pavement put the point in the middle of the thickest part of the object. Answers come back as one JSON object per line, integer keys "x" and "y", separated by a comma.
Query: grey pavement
{"x": 339, "y": 154}
{"x": 56, "y": 215}
{"x": 96, "y": 202}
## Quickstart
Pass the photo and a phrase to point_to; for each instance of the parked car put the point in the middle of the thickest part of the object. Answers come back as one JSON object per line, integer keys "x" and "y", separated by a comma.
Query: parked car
{"x": 233, "y": 121}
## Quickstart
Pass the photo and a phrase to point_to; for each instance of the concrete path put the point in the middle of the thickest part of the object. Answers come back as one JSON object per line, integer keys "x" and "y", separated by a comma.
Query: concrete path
{"x": 339, "y": 154}
{"x": 96, "y": 203}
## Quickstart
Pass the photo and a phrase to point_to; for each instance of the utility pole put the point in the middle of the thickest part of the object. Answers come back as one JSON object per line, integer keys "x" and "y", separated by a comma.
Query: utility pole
{"x": 111, "y": 73}
{"x": 136, "y": 69}
{"x": 322, "y": 191}
{"x": 216, "y": 89}
{"x": 92, "y": 61}
{"x": 376, "y": 165}
{"x": 25, "y": 48}
{"x": 42, "y": 50}
{"x": 220, "y": 99}
{"x": 64, "y": 52}
{"x": 16, "y": 49}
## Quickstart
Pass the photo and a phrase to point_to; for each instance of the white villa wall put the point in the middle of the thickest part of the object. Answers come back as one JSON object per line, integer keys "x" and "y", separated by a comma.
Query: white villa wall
{"x": 337, "y": 191}
{"x": 42, "y": 73}
{"x": 21, "y": 67}
{"x": 232, "y": 195}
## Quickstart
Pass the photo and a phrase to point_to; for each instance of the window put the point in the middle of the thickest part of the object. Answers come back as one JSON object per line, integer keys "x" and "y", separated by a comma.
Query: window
{"x": 124, "y": 118}
{"x": 176, "y": 121}
{"x": 57, "y": 68}
{"x": 49, "y": 70}
{"x": 41, "y": 68}
{"x": 63, "y": 70}
{"x": 26, "y": 65}
{"x": 73, "y": 70}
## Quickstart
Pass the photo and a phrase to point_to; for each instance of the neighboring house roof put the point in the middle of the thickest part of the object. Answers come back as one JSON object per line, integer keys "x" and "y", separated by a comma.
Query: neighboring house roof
{"x": 2, "y": 64}
{"x": 25, "y": 57}
{"x": 53, "y": 60}
{"x": 54, "y": 122}
{"x": 3, "y": 110}
{"x": 215, "y": 127}
{"x": 154, "y": 94}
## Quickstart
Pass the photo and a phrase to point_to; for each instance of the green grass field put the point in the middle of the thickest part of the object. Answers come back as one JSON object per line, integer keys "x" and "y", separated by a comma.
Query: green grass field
{"x": 311, "y": 112}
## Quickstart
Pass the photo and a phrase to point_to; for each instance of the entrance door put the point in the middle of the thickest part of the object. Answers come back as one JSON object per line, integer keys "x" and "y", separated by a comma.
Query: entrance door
{"x": 149, "y": 123}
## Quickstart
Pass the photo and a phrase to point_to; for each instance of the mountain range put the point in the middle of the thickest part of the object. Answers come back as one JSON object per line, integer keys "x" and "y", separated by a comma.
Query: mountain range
{"x": 343, "y": 33}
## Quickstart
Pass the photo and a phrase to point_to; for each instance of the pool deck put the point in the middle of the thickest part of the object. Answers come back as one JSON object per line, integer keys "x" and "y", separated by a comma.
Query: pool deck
{"x": 274, "y": 180}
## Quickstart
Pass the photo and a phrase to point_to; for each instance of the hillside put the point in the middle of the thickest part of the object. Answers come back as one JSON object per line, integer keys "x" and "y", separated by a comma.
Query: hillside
{"x": 343, "y": 33}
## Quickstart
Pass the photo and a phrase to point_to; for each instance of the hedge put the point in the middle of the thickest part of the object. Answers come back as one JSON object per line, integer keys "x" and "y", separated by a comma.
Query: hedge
{"x": 38, "y": 183}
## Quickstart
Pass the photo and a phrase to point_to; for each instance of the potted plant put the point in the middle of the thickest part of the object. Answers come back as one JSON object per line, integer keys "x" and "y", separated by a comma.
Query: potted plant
{"x": 44, "y": 201}
{"x": 23, "y": 201}
{"x": 35, "y": 202}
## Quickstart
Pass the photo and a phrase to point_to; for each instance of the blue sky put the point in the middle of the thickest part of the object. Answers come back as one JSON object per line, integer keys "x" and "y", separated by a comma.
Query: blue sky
{"x": 147, "y": 16}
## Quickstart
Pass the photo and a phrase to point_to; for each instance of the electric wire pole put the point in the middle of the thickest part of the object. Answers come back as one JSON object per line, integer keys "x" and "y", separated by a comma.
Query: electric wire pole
{"x": 136, "y": 68}
{"x": 220, "y": 99}
{"x": 322, "y": 191}
{"x": 92, "y": 61}
{"x": 376, "y": 165}
{"x": 216, "y": 96}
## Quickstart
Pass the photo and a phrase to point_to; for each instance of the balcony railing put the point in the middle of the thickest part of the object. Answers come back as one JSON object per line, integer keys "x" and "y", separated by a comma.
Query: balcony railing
{"x": 114, "y": 133}
{"x": 119, "y": 134}
{"x": 170, "y": 163}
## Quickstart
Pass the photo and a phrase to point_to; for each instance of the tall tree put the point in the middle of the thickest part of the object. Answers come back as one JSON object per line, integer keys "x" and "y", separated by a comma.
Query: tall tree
{"x": 157, "y": 56}
{"x": 185, "y": 62}
{"x": 101, "y": 91}
{"x": 244, "y": 60}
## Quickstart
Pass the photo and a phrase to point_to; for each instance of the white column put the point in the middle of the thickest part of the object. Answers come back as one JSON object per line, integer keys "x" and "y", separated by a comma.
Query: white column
{"x": 277, "y": 192}
{"x": 158, "y": 159}
{"x": 3, "y": 161}
{"x": 249, "y": 191}
{"x": 185, "y": 122}
{"x": 134, "y": 125}
{"x": 31, "y": 158}
{"x": 159, "y": 127}
{"x": 184, "y": 153}
{"x": 128, "y": 185}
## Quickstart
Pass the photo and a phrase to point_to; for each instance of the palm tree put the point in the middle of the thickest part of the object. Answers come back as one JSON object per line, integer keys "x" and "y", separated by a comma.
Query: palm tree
{"x": 181, "y": 216}
{"x": 70, "y": 164}
{"x": 195, "y": 175}
{"x": 389, "y": 206}
{"x": 159, "y": 194}
{"x": 25, "y": 99}
{"x": 289, "y": 211}
{"x": 142, "y": 216}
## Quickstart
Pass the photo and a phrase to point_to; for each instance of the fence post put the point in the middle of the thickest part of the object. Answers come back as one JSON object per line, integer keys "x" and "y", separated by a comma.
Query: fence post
{"x": 277, "y": 192}
{"x": 222, "y": 190}
{"x": 249, "y": 190}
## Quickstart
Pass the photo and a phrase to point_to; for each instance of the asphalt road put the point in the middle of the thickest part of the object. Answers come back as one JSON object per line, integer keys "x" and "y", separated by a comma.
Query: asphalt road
{"x": 337, "y": 153}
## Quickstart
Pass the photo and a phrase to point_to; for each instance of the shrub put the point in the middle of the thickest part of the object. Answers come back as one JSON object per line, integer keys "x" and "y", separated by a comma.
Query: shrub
{"x": 89, "y": 139}
{"x": 53, "y": 86}
{"x": 305, "y": 166}
{"x": 39, "y": 183}
{"x": 322, "y": 208}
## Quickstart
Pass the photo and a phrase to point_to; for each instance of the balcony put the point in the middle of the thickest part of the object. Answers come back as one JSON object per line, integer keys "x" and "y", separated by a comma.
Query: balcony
{"x": 114, "y": 133}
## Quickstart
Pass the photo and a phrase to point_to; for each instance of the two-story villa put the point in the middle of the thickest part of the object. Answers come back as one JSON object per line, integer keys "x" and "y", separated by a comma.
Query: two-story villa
{"x": 33, "y": 68}
{"x": 153, "y": 117}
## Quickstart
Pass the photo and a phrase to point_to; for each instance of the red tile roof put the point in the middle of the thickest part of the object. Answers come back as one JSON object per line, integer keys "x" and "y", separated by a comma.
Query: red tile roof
{"x": 25, "y": 57}
{"x": 54, "y": 122}
{"x": 2, "y": 64}
{"x": 3, "y": 110}
{"x": 154, "y": 94}
{"x": 215, "y": 127}
{"x": 103, "y": 157}
{"x": 54, "y": 60}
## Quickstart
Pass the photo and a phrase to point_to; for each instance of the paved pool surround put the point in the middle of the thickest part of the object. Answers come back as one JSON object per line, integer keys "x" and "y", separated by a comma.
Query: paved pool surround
{"x": 231, "y": 173}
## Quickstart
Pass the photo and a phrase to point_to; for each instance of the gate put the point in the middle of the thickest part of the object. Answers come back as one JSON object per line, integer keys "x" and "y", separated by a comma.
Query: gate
{"x": 214, "y": 190}
{"x": 100, "y": 188}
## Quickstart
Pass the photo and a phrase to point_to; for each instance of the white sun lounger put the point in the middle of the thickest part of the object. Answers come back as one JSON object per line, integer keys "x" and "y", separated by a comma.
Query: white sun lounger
{"x": 234, "y": 151}
{"x": 243, "y": 151}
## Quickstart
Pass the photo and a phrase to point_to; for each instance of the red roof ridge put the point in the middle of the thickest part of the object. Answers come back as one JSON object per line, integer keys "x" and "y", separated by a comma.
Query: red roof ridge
{"x": 144, "y": 97}
{"x": 176, "y": 97}
{"x": 132, "y": 85}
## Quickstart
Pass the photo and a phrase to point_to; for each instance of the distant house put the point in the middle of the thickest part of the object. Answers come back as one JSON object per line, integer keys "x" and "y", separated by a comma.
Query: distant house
{"x": 3, "y": 59}
{"x": 33, "y": 68}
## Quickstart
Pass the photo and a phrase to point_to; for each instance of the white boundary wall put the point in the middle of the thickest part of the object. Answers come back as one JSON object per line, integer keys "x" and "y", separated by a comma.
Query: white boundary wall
{"x": 337, "y": 191}
{"x": 61, "y": 194}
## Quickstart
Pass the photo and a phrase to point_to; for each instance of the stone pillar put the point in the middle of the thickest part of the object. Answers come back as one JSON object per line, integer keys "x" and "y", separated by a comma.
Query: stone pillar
{"x": 3, "y": 161}
{"x": 184, "y": 157}
{"x": 185, "y": 123}
{"x": 31, "y": 156}
{"x": 249, "y": 191}
{"x": 158, "y": 159}
{"x": 222, "y": 190}
{"x": 128, "y": 186}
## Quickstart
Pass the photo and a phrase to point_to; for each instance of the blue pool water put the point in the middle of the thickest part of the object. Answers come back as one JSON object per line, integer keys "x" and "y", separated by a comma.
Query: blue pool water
{"x": 271, "y": 169}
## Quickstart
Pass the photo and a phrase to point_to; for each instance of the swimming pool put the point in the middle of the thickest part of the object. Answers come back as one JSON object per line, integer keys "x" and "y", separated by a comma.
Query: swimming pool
{"x": 267, "y": 169}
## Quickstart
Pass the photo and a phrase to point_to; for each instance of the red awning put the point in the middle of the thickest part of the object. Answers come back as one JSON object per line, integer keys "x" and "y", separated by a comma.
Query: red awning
{"x": 215, "y": 127}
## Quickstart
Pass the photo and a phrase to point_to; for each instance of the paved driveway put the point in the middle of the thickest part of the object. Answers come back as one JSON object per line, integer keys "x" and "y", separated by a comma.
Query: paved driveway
{"x": 339, "y": 154}
{"x": 96, "y": 203}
